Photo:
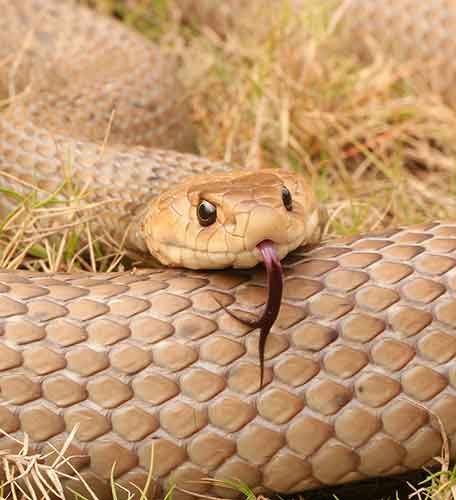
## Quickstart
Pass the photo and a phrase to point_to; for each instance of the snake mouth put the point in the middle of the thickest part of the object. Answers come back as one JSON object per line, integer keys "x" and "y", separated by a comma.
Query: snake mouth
{"x": 176, "y": 255}
{"x": 275, "y": 278}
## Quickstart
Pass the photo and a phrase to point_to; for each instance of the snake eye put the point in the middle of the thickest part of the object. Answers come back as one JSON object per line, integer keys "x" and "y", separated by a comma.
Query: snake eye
{"x": 286, "y": 198}
{"x": 207, "y": 213}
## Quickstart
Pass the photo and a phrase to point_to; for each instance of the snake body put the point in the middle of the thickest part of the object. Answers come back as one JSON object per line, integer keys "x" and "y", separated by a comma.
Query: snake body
{"x": 148, "y": 363}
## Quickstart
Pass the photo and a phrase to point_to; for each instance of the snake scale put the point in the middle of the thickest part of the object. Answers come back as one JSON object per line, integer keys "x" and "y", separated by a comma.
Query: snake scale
{"x": 151, "y": 363}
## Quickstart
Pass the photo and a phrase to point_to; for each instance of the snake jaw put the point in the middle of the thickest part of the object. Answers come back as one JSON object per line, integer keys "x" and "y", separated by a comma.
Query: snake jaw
{"x": 275, "y": 279}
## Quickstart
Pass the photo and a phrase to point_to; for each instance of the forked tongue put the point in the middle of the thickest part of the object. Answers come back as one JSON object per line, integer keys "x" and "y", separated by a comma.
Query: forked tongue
{"x": 274, "y": 274}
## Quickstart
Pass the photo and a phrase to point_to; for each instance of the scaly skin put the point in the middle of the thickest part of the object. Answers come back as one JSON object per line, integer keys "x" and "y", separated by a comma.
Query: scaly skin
{"x": 366, "y": 330}
{"x": 359, "y": 357}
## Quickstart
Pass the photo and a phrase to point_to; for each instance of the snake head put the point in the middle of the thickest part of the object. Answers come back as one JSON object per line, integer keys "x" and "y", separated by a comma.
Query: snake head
{"x": 218, "y": 220}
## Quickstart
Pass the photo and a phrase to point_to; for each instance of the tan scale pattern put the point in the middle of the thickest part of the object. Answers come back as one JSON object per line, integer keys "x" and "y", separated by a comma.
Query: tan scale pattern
{"x": 149, "y": 360}
{"x": 364, "y": 347}
{"x": 412, "y": 31}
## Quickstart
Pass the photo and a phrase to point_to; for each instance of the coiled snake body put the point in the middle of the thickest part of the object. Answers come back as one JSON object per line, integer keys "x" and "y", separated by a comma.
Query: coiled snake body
{"x": 148, "y": 363}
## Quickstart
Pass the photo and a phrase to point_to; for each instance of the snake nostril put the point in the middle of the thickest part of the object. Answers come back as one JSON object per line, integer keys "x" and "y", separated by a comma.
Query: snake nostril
{"x": 287, "y": 199}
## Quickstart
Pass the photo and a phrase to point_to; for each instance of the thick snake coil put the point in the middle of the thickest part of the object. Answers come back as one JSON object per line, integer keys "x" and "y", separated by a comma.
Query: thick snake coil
{"x": 148, "y": 363}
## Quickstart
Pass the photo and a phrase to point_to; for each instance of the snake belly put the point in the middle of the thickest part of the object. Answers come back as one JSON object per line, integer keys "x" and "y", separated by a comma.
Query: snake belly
{"x": 147, "y": 364}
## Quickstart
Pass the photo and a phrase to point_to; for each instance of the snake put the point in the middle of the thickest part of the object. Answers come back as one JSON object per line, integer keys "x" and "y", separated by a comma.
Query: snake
{"x": 160, "y": 376}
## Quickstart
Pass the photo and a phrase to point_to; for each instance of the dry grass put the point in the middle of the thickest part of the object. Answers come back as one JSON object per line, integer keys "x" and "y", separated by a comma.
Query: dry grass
{"x": 274, "y": 90}
{"x": 27, "y": 475}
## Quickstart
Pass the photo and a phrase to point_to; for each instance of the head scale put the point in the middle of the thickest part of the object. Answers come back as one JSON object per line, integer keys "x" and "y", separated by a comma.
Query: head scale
{"x": 216, "y": 221}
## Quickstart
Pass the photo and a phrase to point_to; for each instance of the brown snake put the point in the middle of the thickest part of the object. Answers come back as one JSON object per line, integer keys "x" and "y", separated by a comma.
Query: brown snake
{"x": 358, "y": 359}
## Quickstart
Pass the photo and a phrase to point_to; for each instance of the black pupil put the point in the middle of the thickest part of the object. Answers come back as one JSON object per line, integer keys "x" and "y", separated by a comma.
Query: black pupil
{"x": 207, "y": 213}
{"x": 286, "y": 198}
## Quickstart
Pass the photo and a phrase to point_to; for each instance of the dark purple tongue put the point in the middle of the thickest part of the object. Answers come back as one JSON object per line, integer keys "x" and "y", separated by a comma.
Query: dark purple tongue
{"x": 274, "y": 273}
